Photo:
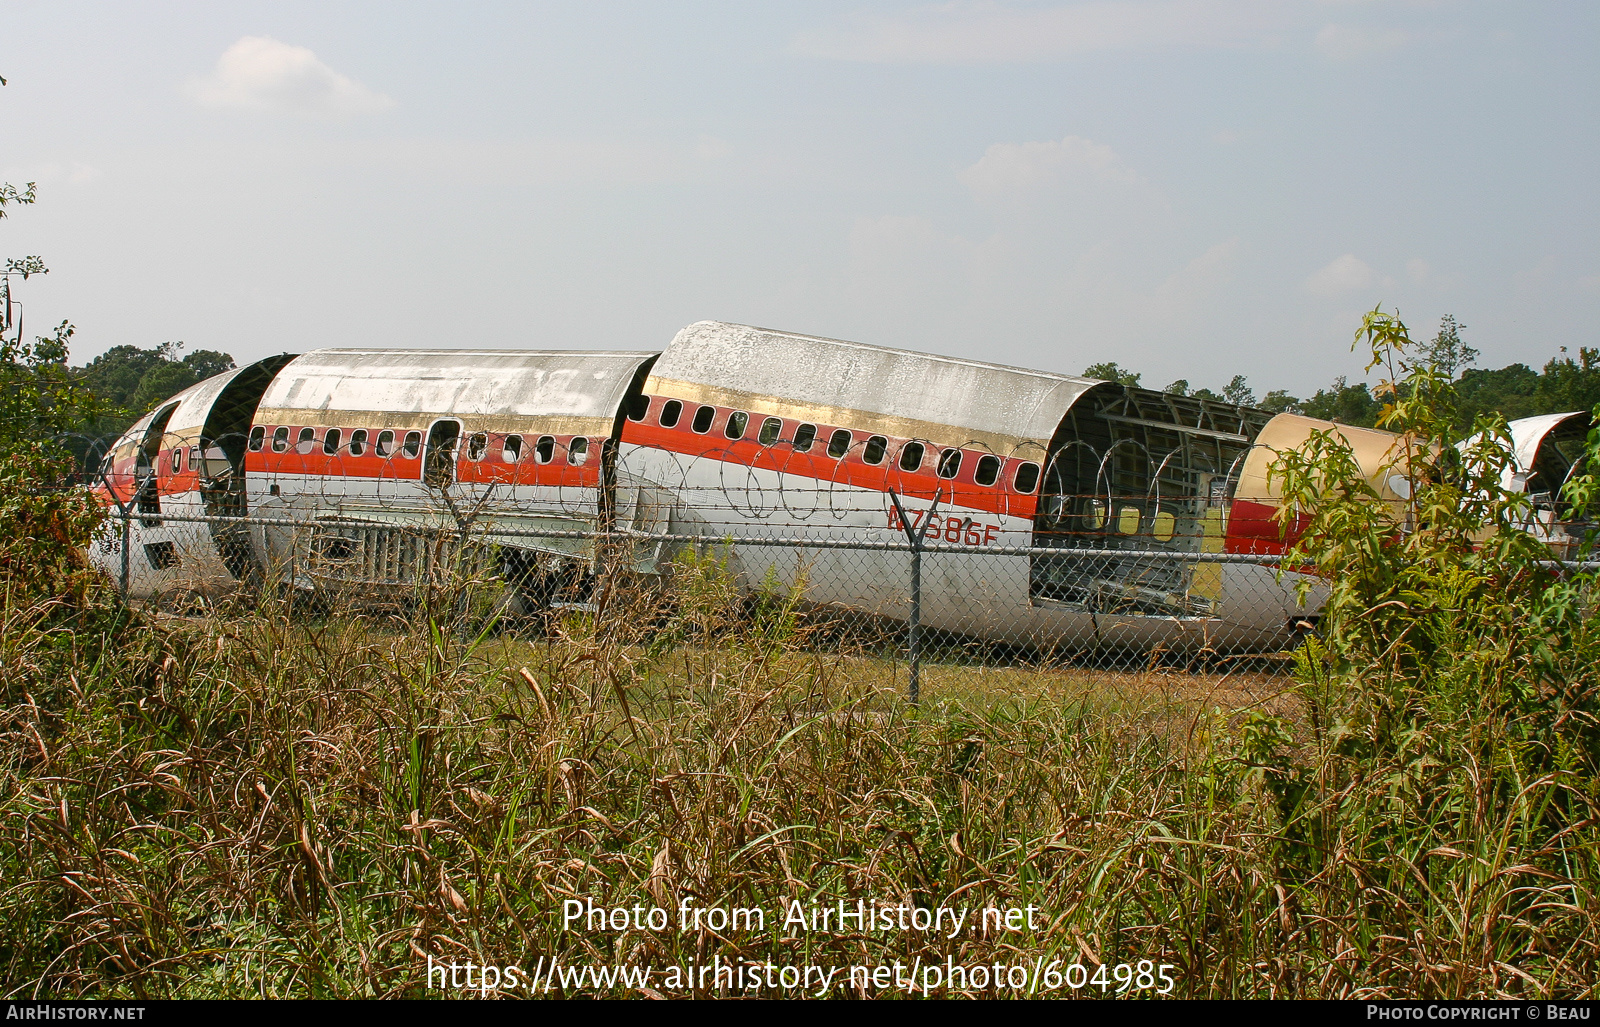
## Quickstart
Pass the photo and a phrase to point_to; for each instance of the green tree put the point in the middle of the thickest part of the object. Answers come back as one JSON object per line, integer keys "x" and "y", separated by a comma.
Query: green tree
{"x": 1238, "y": 392}
{"x": 1447, "y": 353}
{"x": 131, "y": 380}
{"x": 1280, "y": 402}
{"x": 1345, "y": 403}
{"x": 1110, "y": 372}
{"x": 44, "y": 530}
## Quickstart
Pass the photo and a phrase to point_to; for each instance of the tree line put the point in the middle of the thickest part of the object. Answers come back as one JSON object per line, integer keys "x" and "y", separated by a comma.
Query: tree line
{"x": 1514, "y": 391}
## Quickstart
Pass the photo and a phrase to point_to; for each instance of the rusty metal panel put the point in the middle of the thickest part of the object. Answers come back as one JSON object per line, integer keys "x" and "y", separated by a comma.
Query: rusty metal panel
{"x": 992, "y": 399}
{"x": 487, "y": 386}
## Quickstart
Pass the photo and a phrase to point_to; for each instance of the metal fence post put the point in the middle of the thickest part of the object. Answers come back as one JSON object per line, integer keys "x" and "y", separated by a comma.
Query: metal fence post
{"x": 127, "y": 532}
{"x": 915, "y": 537}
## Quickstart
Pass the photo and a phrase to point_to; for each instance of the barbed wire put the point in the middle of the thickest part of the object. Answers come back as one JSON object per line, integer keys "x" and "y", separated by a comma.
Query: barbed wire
{"x": 1116, "y": 574}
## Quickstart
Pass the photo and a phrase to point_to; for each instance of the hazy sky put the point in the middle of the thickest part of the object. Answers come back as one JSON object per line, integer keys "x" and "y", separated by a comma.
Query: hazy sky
{"x": 1193, "y": 188}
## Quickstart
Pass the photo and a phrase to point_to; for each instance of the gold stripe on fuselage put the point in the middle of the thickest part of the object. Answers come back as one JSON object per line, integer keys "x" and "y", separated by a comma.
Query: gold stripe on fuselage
{"x": 506, "y": 424}
{"x": 845, "y": 417}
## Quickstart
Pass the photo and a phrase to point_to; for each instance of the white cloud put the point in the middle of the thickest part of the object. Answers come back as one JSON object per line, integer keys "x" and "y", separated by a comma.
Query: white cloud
{"x": 1199, "y": 280}
{"x": 1350, "y": 42}
{"x": 262, "y": 74}
{"x": 1016, "y": 167}
{"x": 1344, "y": 274}
{"x": 988, "y": 32}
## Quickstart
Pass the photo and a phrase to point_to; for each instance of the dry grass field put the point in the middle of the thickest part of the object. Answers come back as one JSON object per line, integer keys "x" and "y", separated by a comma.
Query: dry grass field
{"x": 257, "y": 803}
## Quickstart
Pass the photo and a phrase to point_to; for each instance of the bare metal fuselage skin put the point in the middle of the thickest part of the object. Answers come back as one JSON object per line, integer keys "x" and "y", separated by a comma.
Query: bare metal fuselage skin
{"x": 737, "y": 434}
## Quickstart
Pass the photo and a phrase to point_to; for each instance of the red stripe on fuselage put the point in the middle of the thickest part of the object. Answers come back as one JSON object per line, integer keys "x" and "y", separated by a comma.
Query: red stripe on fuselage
{"x": 850, "y": 469}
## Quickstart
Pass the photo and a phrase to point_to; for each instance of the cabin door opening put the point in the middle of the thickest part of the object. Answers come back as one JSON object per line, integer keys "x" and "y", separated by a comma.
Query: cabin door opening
{"x": 224, "y": 440}
{"x": 439, "y": 458}
{"x": 146, "y": 474}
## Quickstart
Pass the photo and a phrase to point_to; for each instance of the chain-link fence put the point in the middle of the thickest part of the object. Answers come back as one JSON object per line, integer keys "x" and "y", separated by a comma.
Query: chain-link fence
{"x": 1120, "y": 583}
{"x": 913, "y": 604}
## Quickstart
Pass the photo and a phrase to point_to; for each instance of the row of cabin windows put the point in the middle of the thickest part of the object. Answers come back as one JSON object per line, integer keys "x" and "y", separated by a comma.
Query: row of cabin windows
{"x": 189, "y": 460}
{"x": 511, "y": 449}
{"x": 873, "y": 451}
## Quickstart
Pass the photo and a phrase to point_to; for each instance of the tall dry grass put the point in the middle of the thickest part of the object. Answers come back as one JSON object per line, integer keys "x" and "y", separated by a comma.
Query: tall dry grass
{"x": 257, "y": 804}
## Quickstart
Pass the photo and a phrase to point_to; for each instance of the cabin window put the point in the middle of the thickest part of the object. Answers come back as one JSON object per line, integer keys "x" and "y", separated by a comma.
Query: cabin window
{"x": 839, "y": 443}
{"x": 875, "y": 449}
{"x": 307, "y": 439}
{"x": 511, "y": 452}
{"x": 177, "y": 460}
{"x": 545, "y": 450}
{"x": 702, "y": 419}
{"x": 771, "y": 428}
{"x": 737, "y": 422}
{"x": 258, "y": 438}
{"x": 330, "y": 441}
{"x": 804, "y": 436}
{"x": 671, "y": 410}
{"x": 578, "y": 451}
{"x": 1027, "y": 478}
{"x": 1128, "y": 520}
{"x": 385, "y": 444}
{"x": 192, "y": 461}
{"x": 280, "y": 440}
{"x": 638, "y": 406}
{"x": 477, "y": 447}
{"x": 988, "y": 471}
{"x": 358, "y": 442}
{"x": 911, "y": 456}
{"x": 950, "y": 463}
{"x": 412, "y": 445}
{"x": 1164, "y": 527}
